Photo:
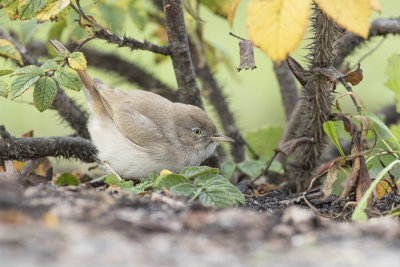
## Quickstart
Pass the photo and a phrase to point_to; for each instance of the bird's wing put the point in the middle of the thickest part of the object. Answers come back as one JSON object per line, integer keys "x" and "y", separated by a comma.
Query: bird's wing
{"x": 122, "y": 108}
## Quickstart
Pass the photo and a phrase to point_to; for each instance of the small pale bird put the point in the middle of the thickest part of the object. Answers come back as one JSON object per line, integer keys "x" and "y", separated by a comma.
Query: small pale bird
{"x": 138, "y": 133}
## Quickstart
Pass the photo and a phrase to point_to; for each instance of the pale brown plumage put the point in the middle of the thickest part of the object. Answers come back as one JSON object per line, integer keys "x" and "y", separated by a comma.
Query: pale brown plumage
{"x": 138, "y": 133}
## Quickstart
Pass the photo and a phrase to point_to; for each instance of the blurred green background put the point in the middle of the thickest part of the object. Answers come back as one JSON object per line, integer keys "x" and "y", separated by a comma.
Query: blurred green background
{"x": 253, "y": 96}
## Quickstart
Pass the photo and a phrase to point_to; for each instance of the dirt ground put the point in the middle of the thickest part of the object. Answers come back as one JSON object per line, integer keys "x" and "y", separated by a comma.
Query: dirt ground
{"x": 42, "y": 224}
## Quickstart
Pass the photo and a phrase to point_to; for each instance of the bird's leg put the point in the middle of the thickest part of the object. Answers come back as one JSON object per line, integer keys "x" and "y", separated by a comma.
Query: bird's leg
{"x": 105, "y": 163}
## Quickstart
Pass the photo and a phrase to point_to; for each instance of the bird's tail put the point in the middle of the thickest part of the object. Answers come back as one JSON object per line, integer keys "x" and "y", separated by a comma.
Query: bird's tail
{"x": 92, "y": 96}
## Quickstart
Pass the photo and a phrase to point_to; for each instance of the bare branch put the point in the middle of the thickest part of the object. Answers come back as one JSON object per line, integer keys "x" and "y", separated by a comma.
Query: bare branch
{"x": 378, "y": 27}
{"x": 99, "y": 32}
{"x": 23, "y": 149}
{"x": 189, "y": 92}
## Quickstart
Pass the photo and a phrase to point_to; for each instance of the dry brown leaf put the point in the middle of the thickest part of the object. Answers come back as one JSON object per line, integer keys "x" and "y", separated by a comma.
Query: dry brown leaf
{"x": 354, "y": 77}
{"x": 331, "y": 177}
{"x": 246, "y": 55}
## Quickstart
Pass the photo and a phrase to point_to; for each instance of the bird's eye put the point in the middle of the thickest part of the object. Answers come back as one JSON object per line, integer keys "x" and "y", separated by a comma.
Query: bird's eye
{"x": 197, "y": 131}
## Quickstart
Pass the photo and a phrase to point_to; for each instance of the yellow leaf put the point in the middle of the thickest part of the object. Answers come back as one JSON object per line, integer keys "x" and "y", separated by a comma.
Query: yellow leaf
{"x": 50, "y": 12}
{"x": 77, "y": 61}
{"x": 231, "y": 13}
{"x": 376, "y": 5}
{"x": 12, "y": 10}
{"x": 7, "y": 49}
{"x": 383, "y": 188}
{"x": 277, "y": 26}
{"x": 165, "y": 171}
{"x": 350, "y": 14}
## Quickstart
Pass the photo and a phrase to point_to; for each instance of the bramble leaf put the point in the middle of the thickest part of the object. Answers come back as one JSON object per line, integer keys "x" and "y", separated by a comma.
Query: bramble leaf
{"x": 51, "y": 11}
{"x": 3, "y": 89}
{"x": 169, "y": 181}
{"x": 227, "y": 169}
{"x": 277, "y": 26}
{"x": 44, "y": 93}
{"x": 8, "y": 50}
{"x": 184, "y": 189}
{"x": 22, "y": 83}
{"x": 27, "y": 9}
{"x": 215, "y": 198}
{"x": 68, "y": 78}
{"x": 77, "y": 61}
{"x": 193, "y": 171}
{"x": 252, "y": 168}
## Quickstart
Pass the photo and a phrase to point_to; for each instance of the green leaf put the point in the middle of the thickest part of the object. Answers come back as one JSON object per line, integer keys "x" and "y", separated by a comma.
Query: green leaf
{"x": 185, "y": 189}
{"x": 381, "y": 125}
{"x": 169, "y": 181}
{"x": 51, "y": 11}
{"x": 229, "y": 188}
{"x": 8, "y": 50}
{"x": 393, "y": 74}
{"x": 44, "y": 94}
{"x": 22, "y": 83}
{"x": 31, "y": 69}
{"x": 27, "y": 9}
{"x": 3, "y": 89}
{"x": 227, "y": 169}
{"x": 359, "y": 212}
{"x": 264, "y": 140}
{"x": 330, "y": 130}
{"x": 215, "y": 198}
{"x": 207, "y": 177}
{"x": 66, "y": 179}
{"x": 77, "y": 61}
{"x": 12, "y": 11}
{"x": 126, "y": 184}
{"x": 5, "y": 72}
{"x": 112, "y": 179}
{"x": 68, "y": 78}
{"x": 252, "y": 168}
{"x": 49, "y": 64}
{"x": 193, "y": 171}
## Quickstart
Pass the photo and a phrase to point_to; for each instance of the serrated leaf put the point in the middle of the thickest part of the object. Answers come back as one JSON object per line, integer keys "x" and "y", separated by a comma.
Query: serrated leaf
{"x": 5, "y": 3}
{"x": 44, "y": 93}
{"x": 227, "y": 169}
{"x": 31, "y": 69}
{"x": 392, "y": 73}
{"x": 126, "y": 184}
{"x": 330, "y": 130}
{"x": 252, "y": 168}
{"x": 229, "y": 188}
{"x": 8, "y": 50}
{"x": 12, "y": 10}
{"x": 5, "y": 72}
{"x": 51, "y": 11}
{"x": 22, "y": 83}
{"x": 49, "y": 64}
{"x": 77, "y": 61}
{"x": 112, "y": 179}
{"x": 350, "y": 14}
{"x": 185, "y": 189}
{"x": 215, "y": 198}
{"x": 68, "y": 78}
{"x": 66, "y": 179}
{"x": 193, "y": 171}
{"x": 27, "y": 9}
{"x": 277, "y": 26}
{"x": 169, "y": 181}
{"x": 3, "y": 89}
{"x": 207, "y": 178}
{"x": 264, "y": 140}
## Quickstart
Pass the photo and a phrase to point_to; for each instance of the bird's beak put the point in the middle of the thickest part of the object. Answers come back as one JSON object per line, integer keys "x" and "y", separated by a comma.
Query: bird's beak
{"x": 222, "y": 138}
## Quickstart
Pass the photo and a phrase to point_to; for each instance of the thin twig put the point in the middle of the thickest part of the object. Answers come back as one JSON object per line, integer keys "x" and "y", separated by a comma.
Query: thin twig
{"x": 370, "y": 52}
{"x": 265, "y": 170}
{"x": 349, "y": 89}
{"x": 234, "y": 35}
